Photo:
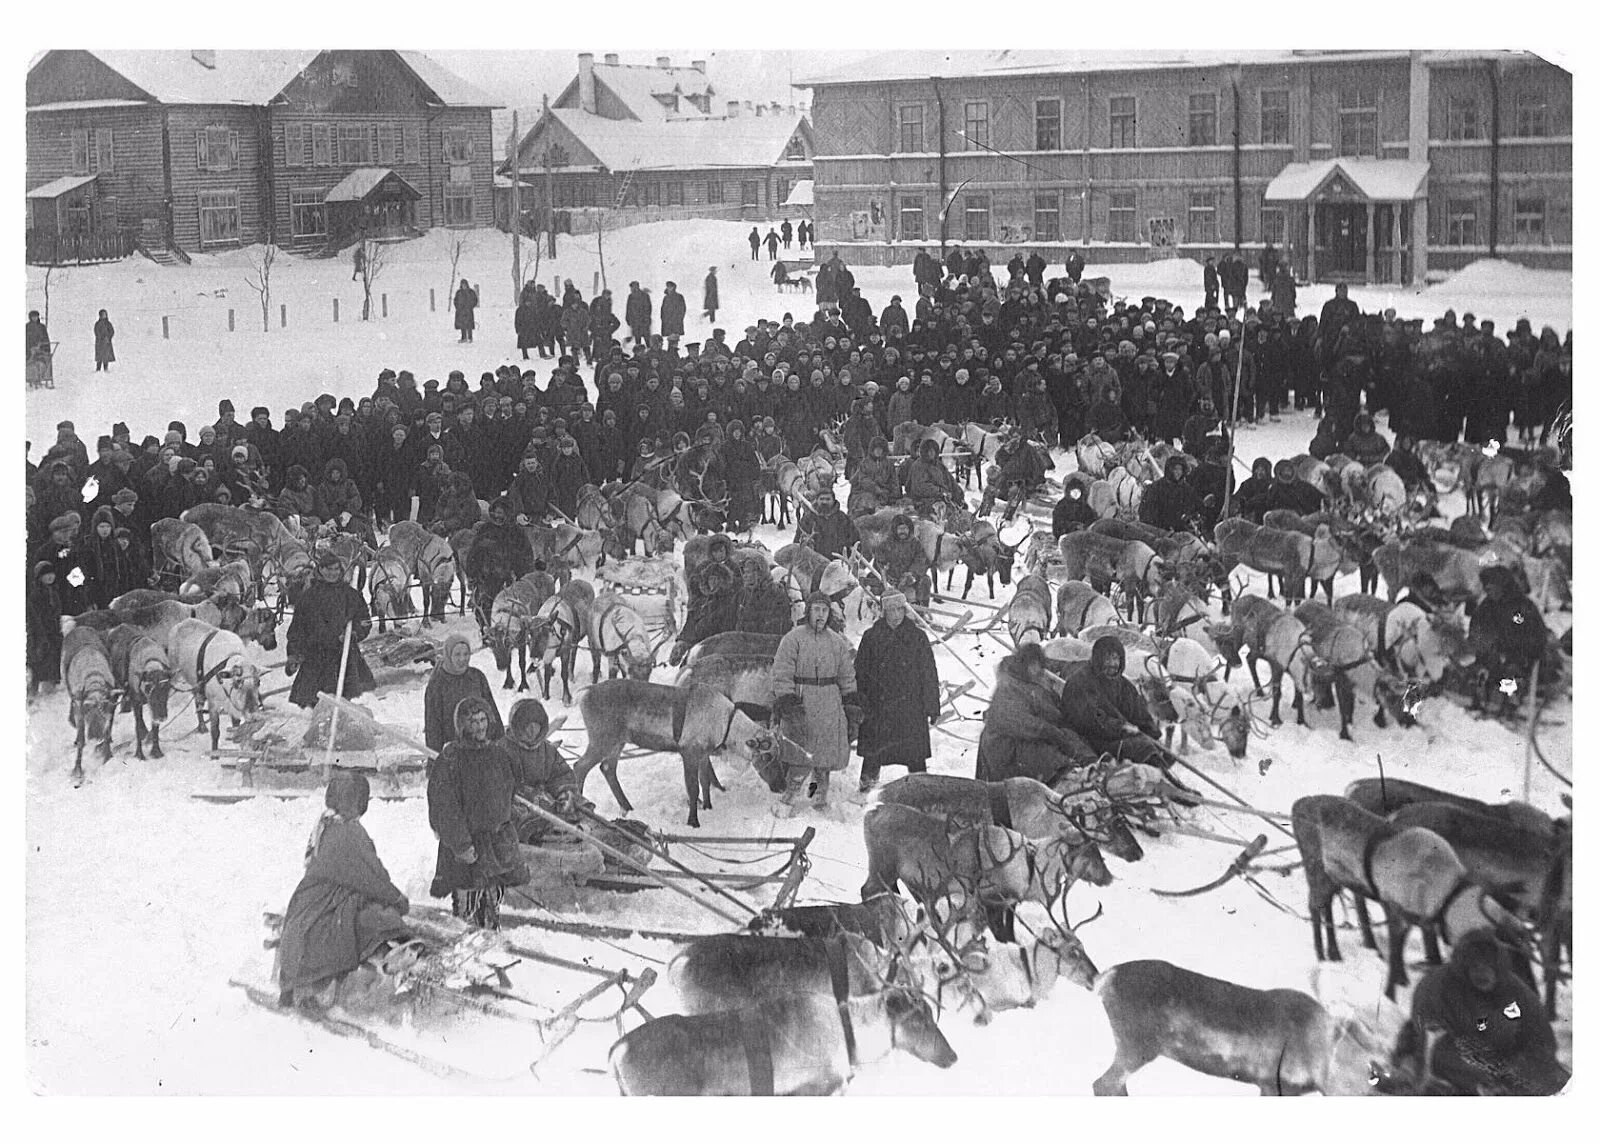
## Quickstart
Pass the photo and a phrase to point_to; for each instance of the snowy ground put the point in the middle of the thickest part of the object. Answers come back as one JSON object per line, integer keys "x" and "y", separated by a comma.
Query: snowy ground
{"x": 169, "y": 890}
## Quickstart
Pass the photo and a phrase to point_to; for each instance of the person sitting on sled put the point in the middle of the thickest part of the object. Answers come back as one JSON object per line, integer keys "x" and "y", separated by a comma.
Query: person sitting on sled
{"x": 346, "y": 908}
{"x": 543, "y": 777}
{"x": 1107, "y": 711}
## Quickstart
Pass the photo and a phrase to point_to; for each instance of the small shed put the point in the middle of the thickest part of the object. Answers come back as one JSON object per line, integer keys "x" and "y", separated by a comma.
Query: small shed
{"x": 63, "y": 206}
{"x": 374, "y": 201}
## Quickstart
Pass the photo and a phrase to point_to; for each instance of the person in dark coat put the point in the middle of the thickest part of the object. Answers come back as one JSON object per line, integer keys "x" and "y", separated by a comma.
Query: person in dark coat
{"x": 107, "y": 565}
{"x": 1107, "y": 710}
{"x": 43, "y": 628}
{"x": 1212, "y": 283}
{"x": 466, "y": 303}
{"x": 316, "y": 636}
{"x": 499, "y": 553}
{"x": 763, "y": 606}
{"x": 715, "y": 609}
{"x": 673, "y": 308}
{"x": 346, "y": 907}
{"x": 526, "y": 322}
{"x": 1170, "y": 502}
{"x": 1508, "y": 636}
{"x": 903, "y": 561}
{"x": 638, "y": 313}
{"x": 453, "y": 679}
{"x": 709, "y": 299}
{"x": 542, "y": 776}
{"x": 898, "y": 682}
{"x": 1289, "y": 491}
{"x": 1072, "y": 512}
{"x": 754, "y": 239}
{"x": 1476, "y": 1027}
{"x": 104, "y": 354}
{"x": 1250, "y": 500}
{"x": 1023, "y": 734}
{"x": 1210, "y": 483}
{"x": 1365, "y": 443}
{"x": 471, "y": 799}
{"x": 568, "y": 475}
{"x": 827, "y": 531}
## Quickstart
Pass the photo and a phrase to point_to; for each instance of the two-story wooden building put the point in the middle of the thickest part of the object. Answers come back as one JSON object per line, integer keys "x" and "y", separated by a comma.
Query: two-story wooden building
{"x": 643, "y": 143}
{"x": 1363, "y": 166}
{"x": 195, "y": 150}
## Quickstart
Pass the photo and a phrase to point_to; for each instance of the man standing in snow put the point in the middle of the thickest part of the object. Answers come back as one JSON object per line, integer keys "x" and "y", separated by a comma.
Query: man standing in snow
{"x": 316, "y": 637}
{"x": 710, "y": 299}
{"x": 900, "y": 691}
{"x": 638, "y": 313}
{"x": 755, "y": 244}
{"x": 466, "y": 301}
{"x": 672, "y": 313}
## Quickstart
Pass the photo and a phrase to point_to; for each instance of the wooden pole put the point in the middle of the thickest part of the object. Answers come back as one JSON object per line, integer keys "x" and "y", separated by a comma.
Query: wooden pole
{"x": 660, "y": 851}
{"x": 1532, "y": 706}
{"x": 1233, "y": 424}
{"x": 333, "y": 722}
{"x": 516, "y": 210}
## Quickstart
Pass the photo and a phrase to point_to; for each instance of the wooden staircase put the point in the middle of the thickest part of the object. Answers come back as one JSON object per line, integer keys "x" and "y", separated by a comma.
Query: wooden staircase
{"x": 152, "y": 243}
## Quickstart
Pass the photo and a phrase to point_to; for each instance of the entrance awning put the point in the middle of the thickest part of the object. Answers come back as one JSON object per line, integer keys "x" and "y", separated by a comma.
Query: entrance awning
{"x": 802, "y": 194}
{"x": 55, "y": 188}
{"x": 1375, "y": 180}
{"x": 365, "y": 184}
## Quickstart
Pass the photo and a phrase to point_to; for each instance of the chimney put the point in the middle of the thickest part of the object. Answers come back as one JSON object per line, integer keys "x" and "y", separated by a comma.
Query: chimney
{"x": 586, "y": 82}
{"x": 611, "y": 59}
{"x": 205, "y": 57}
{"x": 733, "y": 109}
{"x": 699, "y": 66}
{"x": 664, "y": 63}
{"x": 761, "y": 109}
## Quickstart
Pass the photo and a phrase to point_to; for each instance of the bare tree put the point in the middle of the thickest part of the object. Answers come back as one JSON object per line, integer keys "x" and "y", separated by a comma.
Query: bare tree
{"x": 458, "y": 242}
{"x": 373, "y": 256}
{"x": 261, "y": 282}
{"x": 49, "y": 272}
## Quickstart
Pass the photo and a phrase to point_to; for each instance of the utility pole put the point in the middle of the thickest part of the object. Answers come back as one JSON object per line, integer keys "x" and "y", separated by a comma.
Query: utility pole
{"x": 549, "y": 184}
{"x": 516, "y": 210}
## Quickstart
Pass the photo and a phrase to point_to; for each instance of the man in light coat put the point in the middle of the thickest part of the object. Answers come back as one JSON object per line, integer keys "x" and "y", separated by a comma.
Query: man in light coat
{"x": 815, "y": 701}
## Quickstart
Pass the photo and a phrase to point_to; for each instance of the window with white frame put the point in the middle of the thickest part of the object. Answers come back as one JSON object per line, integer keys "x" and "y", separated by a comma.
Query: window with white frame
{"x": 1272, "y": 225}
{"x": 975, "y": 114}
{"x": 219, "y": 217}
{"x": 975, "y": 209}
{"x": 1527, "y": 220}
{"x": 911, "y": 127}
{"x": 308, "y": 215}
{"x": 294, "y": 144}
{"x": 1202, "y": 216}
{"x": 457, "y": 145}
{"x": 1121, "y": 220}
{"x": 1203, "y": 119}
{"x": 216, "y": 149}
{"x": 1461, "y": 118}
{"x": 1124, "y": 120}
{"x": 1532, "y": 115}
{"x": 355, "y": 145}
{"x": 912, "y": 225}
{"x": 1358, "y": 121}
{"x": 750, "y": 193}
{"x": 1461, "y": 222}
{"x": 1275, "y": 117}
{"x": 1047, "y": 124}
{"x": 1047, "y": 216}
{"x": 457, "y": 205}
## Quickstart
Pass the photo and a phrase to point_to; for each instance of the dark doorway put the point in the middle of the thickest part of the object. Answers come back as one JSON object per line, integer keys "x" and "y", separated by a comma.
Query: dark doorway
{"x": 1342, "y": 240}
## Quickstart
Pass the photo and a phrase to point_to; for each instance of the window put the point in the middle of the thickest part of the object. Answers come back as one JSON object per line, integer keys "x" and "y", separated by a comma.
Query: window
{"x": 1202, "y": 216}
{"x": 1272, "y": 225}
{"x": 1124, "y": 117}
{"x": 1047, "y": 217}
{"x": 782, "y": 195}
{"x": 1461, "y": 118}
{"x": 457, "y": 205}
{"x": 651, "y": 193}
{"x": 976, "y": 115}
{"x": 563, "y": 194}
{"x": 1461, "y": 222}
{"x": 294, "y": 144}
{"x": 321, "y": 149}
{"x": 308, "y": 217}
{"x": 1274, "y": 117}
{"x": 1047, "y": 124}
{"x": 386, "y": 135}
{"x": 219, "y": 217}
{"x": 1358, "y": 122}
{"x": 796, "y": 148}
{"x": 674, "y": 194}
{"x": 80, "y": 152}
{"x": 912, "y": 228}
{"x": 102, "y": 149}
{"x": 355, "y": 145}
{"x": 714, "y": 191}
{"x": 911, "y": 127}
{"x": 411, "y": 143}
{"x": 1203, "y": 119}
{"x": 1527, "y": 221}
{"x": 976, "y": 210}
{"x": 216, "y": 149}
{"x": 586, "y": 193}
{"x": 461, "y": 175}
{"x": 749, "y": 193}
{"x": 1533, "y": 115}
{"x": 457, "y": 145}
{"x": 1121, "y": 222}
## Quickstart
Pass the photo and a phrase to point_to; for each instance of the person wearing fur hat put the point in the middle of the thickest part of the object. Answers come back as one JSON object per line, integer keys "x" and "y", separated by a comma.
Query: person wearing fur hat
{"x": 338, "y": 499}
{"x": 542, "y": 775}
{"x": 1107, "y": 711}
{"x": 815, "y": 700}
{"x": 456, "y": 508}
{"x": 498, "y": 554}
{"x": 903, "y": 561}
{"x": 927, "y": 481}
{"x": 109, "y": 570}
{"x": 1365, "y": 443}
{"x": 65, "y": 554}
{"x": 1024, "y": 734}
{"x": 1170, "y": 502}
{"x": 530, "y": 489}
{"x": 453, "y": 679}
{"x": 763, "y": 606}
{"x": 471, "y": 798}
{"x": 900, "y": 695}
{"x": 1508, "y": 636}
{"x": 1250, "y": 501}
{"x": 827, "y": 531}
{"x": 875, "y": 484}
{"x": 1072, "y": 512}
{"x": 43, "y": 628}
{"x": 346, "y": 908}
{"x": 714, "y": 610}
{"x": 327, "y": 607}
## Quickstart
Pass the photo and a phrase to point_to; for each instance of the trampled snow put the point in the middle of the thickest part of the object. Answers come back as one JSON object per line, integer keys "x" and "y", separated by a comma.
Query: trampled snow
{"x": 142, "y": 901}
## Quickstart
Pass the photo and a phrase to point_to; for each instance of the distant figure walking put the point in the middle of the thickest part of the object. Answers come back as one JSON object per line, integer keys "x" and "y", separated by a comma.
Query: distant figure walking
{"x": 466, "y": 302}
{"x": 104, "y": 355}
{"x": 358, "y": 260}
{"x": 710, "y": 306}
{"x": 755, "y": 244}
{"x": 772, "y": 245}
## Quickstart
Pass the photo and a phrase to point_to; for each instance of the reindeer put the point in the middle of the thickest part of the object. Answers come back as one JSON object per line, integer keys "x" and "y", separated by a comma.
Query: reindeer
{"x": 801, "y": 570}
{"x": 986, "y": 554}
{"x": 180, "y": 549}
{"x": 1095, "y": 456}
{"x": 430, "y": 560}
{"x": 1028, "y": 617}
{"x": 234, "y": 579}
{"x": 1001, "y": 977}
{"x": 1358, "y": 543}
{"x": 654, "y": 515}
{"x": 1079, "y": 605}
{"x": 564, "y": 615}
{"x": 91, "y": 692}
{"x": 144, "y": 676}
{"x": 1199, "y": 702}
{"x": 511, "y": 621}
{"x": 1281, "y": 1040}
{"x": 1342, "y": 647}
{"x": 746, "y": 680}
{"x": 1102, "y": 561}
{"x": 1288, "y": 555}
{"x": 693, "y": 722}
{"x": 1283, "y": 641}
{"x": 617, "y": 634}
{"x": 212, "y": 664}
{"x": 1413, "y": 649}
{"x": 1383, "y": 796}
{"x": 729, "y": 971}
{"x": 390, "y": 583}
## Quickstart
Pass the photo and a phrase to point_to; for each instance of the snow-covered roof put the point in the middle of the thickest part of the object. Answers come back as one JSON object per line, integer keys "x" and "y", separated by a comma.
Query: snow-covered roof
{"x": 362, "y": 181}
{"x": 450, "y": 88}
{"x": 801, "y": 194}
{"x": 747, "y": 140}
{"x": 995, "y": 62}
{"x": 637, "y": 87}
{"x": 86, "y": 104}
{"x": 1380, "y": 180}
{"x": 55, "y": 188}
